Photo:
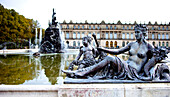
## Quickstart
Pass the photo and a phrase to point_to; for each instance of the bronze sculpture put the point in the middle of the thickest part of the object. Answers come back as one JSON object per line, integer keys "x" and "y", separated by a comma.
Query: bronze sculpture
{"x": 142, "y": 59}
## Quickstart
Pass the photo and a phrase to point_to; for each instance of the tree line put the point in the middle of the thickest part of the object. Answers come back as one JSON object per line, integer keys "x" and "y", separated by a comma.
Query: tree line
{"x": 15, "y": 27}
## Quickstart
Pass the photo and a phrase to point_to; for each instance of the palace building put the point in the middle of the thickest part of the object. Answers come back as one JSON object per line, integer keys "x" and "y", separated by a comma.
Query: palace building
{"x": 113, "y": 35}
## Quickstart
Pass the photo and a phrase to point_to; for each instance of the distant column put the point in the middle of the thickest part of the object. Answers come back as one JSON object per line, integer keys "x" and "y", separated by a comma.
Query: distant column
{"x": 35, "y": 36}
{"x": 40, "y": 37}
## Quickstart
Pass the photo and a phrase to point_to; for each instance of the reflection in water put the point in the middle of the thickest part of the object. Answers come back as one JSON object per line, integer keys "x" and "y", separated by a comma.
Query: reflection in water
{"x": 29, "y": 70}
{"x": 16, "y": 69}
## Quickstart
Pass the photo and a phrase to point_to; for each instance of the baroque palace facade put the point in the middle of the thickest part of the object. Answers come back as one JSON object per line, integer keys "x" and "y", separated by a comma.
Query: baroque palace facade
{"x": 113, "y": 35}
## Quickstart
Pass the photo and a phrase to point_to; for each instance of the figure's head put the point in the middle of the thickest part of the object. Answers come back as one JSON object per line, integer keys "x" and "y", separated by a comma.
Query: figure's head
{"x": 140, "y": 31}
{"x": 86, "y": 40}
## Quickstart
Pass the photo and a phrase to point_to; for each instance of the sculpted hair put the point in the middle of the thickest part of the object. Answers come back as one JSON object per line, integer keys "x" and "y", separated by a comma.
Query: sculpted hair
{"x": 141, "y": 27}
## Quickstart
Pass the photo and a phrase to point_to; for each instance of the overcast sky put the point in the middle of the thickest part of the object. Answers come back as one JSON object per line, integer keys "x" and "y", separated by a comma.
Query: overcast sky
{"x": 92, "y": 10}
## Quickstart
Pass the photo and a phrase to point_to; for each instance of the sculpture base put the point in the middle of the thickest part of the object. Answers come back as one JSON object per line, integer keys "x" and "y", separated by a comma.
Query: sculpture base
{"x": 96, "y": 81}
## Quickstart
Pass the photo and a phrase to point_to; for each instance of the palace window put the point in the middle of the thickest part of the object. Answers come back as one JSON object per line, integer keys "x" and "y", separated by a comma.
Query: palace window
{"x": 167, "y": 44}
{"x": 78, "y": 27}
{"x": 111, "y": 35}
{"x": 115, "y": 35}
{"x": 159, "y": 36}
{"x": 74, "y": 35}
{"x": 74, "y": 44}
{"x": 127, "y": 28}
{"x": 110, "y": 27}
{"x": 98, "y": 35}
{"x": 167, "y": 36}
{"x": 166, "y": 28}
{"x": 127, "y": 36}
{"x": 123, "y": 44}
{"x": 74, "y": 27}
{"x": 158, "y": 28}
{"x": 94, "y": 27}
{"x": 153, "y": 36}
{"x": 123, "y": 27}
{"x": 78, "y": 43}
{"x": 159, "y": 43}
{"x": 83, "y": 27}
{"x": 107, "y": 35}
{"x": 98, "y": 27}
{"x": 115, "y": 27}
{"x": 106, "y": 27}
{"x": 67, "y": 35}
{"x": 78, "y": 35}
{"x": 152, "y": 28}
{"x": 132, "y": 27}
{"x": 82, "y": 34}
{"x": 67, "y": 27}
{"x": 123, "y": 36}
{"x": 163, "y": 44}
{"x": 89, "y": 27}
{"x": 163, "y": 36}
{"x": 162, "y": 28}
{"x": 131, "y": 35}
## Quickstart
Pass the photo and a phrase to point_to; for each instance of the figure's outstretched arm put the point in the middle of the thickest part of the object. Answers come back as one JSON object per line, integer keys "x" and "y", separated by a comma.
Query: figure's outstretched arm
{"x": 115, "y": 51}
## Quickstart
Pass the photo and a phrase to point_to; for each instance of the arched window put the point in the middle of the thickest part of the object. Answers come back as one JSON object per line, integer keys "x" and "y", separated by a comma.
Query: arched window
{"x": 98, "y": 35}
{"x": 111, "y": 35}
{"x": 127, "y": 36}
{"x": 67, "y": 43}
{"x": 74, "y": 44}
{"x": 167, "y": 44}
{"x": 111, "y": 44}
{"x": 107, "y": 44}
{"x": 78, "y": 43}
{"x": 107, "y": 35}
{"x": 82, "y": 35}
{"x": 67, "y": 35}
{"x": 78, "y": 35}
{"x": 123, "y": 44}
{"x": 159, "y": 43}
{"x": 74, "y": 35}
{"x": 123, "y": 36}
{"x": 163, "y": 44}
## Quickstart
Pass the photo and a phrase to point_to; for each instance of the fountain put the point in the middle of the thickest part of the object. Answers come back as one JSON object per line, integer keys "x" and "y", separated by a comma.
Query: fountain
{"x": 53, "y": 41}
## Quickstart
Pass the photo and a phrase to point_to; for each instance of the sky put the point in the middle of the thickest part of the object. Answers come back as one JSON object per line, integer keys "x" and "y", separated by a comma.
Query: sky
{"x": 127, "y": 11}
